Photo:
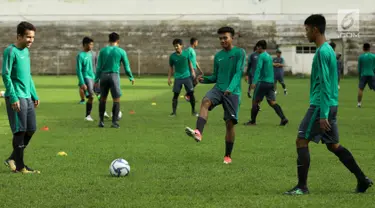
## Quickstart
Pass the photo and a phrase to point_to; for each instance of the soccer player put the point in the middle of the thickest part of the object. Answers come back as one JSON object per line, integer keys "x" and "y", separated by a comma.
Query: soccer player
{"x": 251, "y": 67}
{"x": 108, "y": 72}
{"x": 20, "y": 97}
{"x": 366, "y": 66}
{"x": 340, "y": 68}
{"x": 183, "y": 72}
{"x": 320, "y": 123}
{"x": 229, "y": 64}
{"x": 263, "y": 85}
{"x": 278, "y": 64}
{"x": 193, "y": 59}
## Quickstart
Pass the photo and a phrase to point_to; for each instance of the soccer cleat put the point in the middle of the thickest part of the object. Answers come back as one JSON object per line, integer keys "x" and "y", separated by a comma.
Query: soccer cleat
{"x": 285, "y": 92}
{"x": 297, "y": 191}
{"x": 359, "y": 105}
{"x": 101, "y": 124}
{"x": 284, "y": 122}
{"x": 227, "y": 160}
{"x": 275, "y": 92}
{"x": 363, "y": 186}
{"x": 11, "y": 164}
{"x": 250, "y": 123}
{"x": 89, "y": 118}
{"x": 106, "y": 115}
{"x": 115, "y": 125}
{"x": 172, "y": 115}
{"x": 27, "y": 170}
{"x": 195, "y": 114}
{"x": 194, "y": 134}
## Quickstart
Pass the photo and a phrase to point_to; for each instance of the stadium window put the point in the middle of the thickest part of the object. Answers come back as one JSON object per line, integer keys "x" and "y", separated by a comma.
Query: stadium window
{"x": 305, "y": 49}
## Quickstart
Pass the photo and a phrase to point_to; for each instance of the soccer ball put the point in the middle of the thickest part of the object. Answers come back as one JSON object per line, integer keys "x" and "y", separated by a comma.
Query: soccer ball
{"x": 119, "y": 167}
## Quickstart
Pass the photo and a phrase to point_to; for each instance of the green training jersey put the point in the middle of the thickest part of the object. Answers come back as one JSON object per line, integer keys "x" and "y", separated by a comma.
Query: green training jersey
{"x": 366, "y": 64}
{"x": 84, "y": 67}
{"x": 264, "y": 71}
{"x": 192, "y": 57}
{"x": 228, "y": 67}
{"x": 109, "y": 61}
{"x": 180, "y": 63}
{"x": 324, "y": 80}
{"x": 16, "y": 74}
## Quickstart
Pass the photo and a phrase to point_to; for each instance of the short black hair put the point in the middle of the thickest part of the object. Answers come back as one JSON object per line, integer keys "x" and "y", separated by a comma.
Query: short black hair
{"x": 192, "y": 40}
{"x": 177, "y": 41}
{"x": 87, "y": 40}
{"x": 333, "y": 45}
{"x": 226, "y": 30}
{"x": 262, "y": 44}
{"x": 113, "y": 37}
{"x": 23, "y": 26}
{"x": 366, "y": 46}
{"x": 318, "y": 21}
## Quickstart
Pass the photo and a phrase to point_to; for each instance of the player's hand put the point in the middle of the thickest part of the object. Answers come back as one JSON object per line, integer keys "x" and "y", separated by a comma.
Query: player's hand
{"x": 324, "y": 124}
{"x": 36, "y": 103}
{"x": 227, "y": 92}
{"x": 84, "y": 87}
{"x": 16, "y": 106}
{"x": 133, "y": 81}
{"x": 252, "y": 86}
{"x": 200, "y": 78}
{"x": 169, "y": 82}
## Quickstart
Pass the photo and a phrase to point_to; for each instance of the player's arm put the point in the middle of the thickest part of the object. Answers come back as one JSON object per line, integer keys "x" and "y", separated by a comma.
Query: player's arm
{"x": 8, "y": 60}
{"x": 213, "y": 77}
{"x": 199, "y": 68}
{"x": 236, "y": 79}
{"x": 192, "y": 71}
{"x": 79, "y": 70}
{"x": 34, "y": 95}
{"x": 125, "y": 62}
{"x": 324, "y": 84}
{"x": 170, "y": 71}
{"x": 98, "y": 68}
{"x": 282, "y": 64}
{"x": 359, "y": 67}
{"x": 257, "y": 70}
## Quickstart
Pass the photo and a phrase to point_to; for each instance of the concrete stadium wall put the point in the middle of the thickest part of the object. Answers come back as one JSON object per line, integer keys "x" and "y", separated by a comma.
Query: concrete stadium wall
{"x": 147, "y": 28}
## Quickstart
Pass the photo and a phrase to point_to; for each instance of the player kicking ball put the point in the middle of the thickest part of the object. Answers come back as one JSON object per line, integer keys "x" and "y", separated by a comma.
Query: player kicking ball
{"x": 228, "y": 67}
{"x": 182, "y": 70}
{"x": 320, "y": 122}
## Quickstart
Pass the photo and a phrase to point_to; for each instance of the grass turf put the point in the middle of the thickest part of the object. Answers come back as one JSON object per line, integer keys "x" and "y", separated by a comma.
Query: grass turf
{"x": 169, "y": 169}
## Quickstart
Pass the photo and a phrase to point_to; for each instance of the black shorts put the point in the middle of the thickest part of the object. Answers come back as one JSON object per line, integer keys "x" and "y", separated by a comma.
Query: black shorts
{"x": 231, "y": 103}
{"x": 279, "y": 75}
{"x": 23, "y": 121}
{"x": 90, "y": 87}
{"x": 310, "y": 126}
{"x": 367, "y": 80}
{"x": 110, "y": 81}
{"x": 187, "y": 83}
{"x": 264, "y": 89}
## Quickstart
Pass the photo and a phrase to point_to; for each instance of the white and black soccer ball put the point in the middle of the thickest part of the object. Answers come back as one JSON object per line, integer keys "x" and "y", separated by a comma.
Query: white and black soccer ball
{"x": 119, "y": 167}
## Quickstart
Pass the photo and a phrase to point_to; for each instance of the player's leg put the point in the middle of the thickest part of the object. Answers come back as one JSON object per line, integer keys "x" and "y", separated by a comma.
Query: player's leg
{"x": 211, "y": 99}
{"x": 90, "y": 89}
{"x": 82, "y": 96}
{"x": 30, "y": 130}
{"x": 257, "y": 99}
{"x": 177, "y": 86}
{"x": 271, "y": 99}
{"x": 189, "y": 88}
{"x": 104, "y": 90}
{"x": 307, "y": 130}
{"x": 331, "y": 139}
{"x": 231, "y": 108}
{"x": 187, "y": 97}
{"x": 116, "y": 95}
{"x": 249, "y": 82}
{"x": 338, "y": 78}
{"x": 282, "y": 82}
{"x": 361, "y": 86}
{"x": 97, "y": 93}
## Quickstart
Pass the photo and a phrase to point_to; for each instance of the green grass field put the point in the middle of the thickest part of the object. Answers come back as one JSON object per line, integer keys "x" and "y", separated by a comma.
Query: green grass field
{"x": 169, "y": 169}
